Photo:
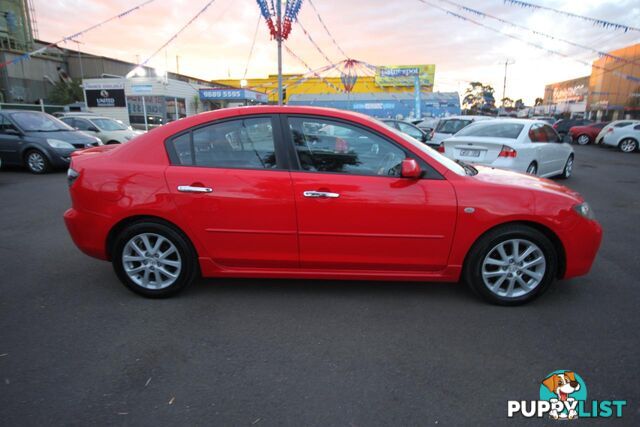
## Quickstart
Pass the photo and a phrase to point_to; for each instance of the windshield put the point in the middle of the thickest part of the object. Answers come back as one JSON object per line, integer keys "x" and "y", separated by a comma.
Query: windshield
{"x": 108, "y": 124}
{"x": 452, "y": 125}
{"x": 32, "y": 121}
{"x": 492, "y": 129}
{"x": 444, "y": 161}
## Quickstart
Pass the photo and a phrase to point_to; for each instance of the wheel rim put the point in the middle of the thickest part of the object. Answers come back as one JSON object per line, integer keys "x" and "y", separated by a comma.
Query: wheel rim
{"x": 35, "y": 162}
{"x": 151, "y": 261}
{"x": 583, "y": 140}
{"x": 568, "y": 168}
{"x": 628, "y": 145}
{"x": 513, "y": 268}
{"x": 532, "y": 169}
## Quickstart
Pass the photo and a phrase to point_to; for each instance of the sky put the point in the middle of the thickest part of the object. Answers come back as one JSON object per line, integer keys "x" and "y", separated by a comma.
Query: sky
{"x": 380, "y": 32}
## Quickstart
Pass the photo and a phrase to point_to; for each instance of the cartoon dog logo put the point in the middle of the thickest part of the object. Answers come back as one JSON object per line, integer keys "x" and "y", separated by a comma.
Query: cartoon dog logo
{"x": 562, "y": 385}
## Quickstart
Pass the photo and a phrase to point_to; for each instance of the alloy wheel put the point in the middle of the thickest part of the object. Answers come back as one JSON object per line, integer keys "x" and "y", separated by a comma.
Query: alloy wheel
{"x": 532, "y": 169}
{"x": 628, "y": 145}
{"x": 583, "y": 139}
{"x": 513, "y": 268}
{"x": 151, "y": 261}
{"x": 36, "y": 162}
{"x": 568, "y": 167}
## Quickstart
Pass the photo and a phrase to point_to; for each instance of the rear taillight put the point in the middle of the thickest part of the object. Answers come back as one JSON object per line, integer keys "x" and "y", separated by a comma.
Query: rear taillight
{"x": 555, "y": 126}
{"x": 507, "y": 152}
{"x": 440, "y": 148}
{"x": 72, "y": 175}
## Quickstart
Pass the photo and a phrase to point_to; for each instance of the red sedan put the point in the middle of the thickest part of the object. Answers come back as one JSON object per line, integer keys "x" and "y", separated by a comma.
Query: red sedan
{"x": 586, "y": 134}
{"x": 299, "y": 192}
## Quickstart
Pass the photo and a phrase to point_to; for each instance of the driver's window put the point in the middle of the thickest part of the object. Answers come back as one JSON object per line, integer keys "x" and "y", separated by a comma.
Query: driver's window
{"x": 82, "y": 124}
{"x": 328, "y": 146}
{"x": 410, "y": 130}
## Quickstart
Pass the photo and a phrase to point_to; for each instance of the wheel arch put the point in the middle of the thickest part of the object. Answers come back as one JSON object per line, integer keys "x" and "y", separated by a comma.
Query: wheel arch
{"x": 126, "y": 222}
{"x": 550, "y": 234}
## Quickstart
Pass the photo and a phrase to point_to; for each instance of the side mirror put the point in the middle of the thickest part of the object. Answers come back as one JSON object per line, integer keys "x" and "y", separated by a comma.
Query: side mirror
{"x": 411, "y": 169}
{"x": 93, "y": 129}
{"x": 425, "y": 137}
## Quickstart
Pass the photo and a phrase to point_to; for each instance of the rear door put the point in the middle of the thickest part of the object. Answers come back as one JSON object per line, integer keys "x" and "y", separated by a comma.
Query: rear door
{"x": 230, "y": 182}
{"x": 10, "y": 142}
{"x": 355, "y": 212}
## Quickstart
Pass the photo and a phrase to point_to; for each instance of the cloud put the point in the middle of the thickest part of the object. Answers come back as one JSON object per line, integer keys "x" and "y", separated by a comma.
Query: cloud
{"x": 378, "y": 31}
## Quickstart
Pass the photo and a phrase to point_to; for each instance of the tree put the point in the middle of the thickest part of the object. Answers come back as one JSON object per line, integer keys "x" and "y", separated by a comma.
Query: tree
{"x": 519, "y": 104}
{"x": 64, "y": 93}
{"x": 506, "y": 102}
{"x": 478, "y": 98}
{"x": 538, "y": 102}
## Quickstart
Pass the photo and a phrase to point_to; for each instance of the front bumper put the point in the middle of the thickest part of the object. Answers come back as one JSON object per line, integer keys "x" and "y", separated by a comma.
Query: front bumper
{"x": 581, "y": 245}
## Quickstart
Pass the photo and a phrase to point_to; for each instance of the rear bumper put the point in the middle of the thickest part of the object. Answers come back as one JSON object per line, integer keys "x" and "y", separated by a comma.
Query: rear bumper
{"x": 88, "y": 231}
{"x": 581, "y": 245}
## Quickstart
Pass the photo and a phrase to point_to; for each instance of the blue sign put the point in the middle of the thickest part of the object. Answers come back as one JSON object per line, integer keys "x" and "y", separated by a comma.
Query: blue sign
{"x": 231, "y": 94}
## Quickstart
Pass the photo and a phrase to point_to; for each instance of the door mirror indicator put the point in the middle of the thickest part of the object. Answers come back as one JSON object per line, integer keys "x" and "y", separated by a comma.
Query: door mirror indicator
{"x": 411, "y": 169}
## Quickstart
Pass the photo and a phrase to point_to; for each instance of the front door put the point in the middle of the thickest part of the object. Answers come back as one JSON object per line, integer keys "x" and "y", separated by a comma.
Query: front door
{"x": 355, "y": 212}
{"x": 10, "y": 141}
{"x": 229, "y": 182}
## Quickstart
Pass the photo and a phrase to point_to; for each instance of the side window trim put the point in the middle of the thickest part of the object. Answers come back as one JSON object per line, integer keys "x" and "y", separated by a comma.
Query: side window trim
{"x": 280, "y": 150}
{"x": 294, "y": 161}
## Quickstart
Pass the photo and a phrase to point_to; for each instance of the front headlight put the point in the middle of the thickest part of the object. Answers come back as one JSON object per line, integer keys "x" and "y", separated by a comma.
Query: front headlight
{"x": 585, "y": 210}
{"x": 57, "y": 143}
{"x": 98, "y": 140}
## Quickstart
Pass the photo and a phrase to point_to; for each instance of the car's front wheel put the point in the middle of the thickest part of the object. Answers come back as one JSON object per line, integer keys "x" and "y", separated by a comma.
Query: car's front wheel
{"x": 511, "y": 265}
{"x": 36, "y": 162}
{"x": 154, "y": 259}
{"x": 583, "y": 139}
{"x": 628, "y": 145}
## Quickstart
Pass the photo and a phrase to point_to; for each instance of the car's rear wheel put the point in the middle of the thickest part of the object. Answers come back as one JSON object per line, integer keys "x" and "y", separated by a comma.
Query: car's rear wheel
{"x": 511, "y": 265}
{"x": 153, "y": 259}
{"x": 628, "y": 145}
{"x": 36, "y": 162}
{"x": 532, "y": 169}
{"x": 568, "y": 168}
{"x": 583, "y": 139}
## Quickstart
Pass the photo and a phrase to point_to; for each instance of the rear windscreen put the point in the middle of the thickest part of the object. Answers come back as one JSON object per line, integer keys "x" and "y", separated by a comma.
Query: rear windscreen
{"x": 496, "y": 130}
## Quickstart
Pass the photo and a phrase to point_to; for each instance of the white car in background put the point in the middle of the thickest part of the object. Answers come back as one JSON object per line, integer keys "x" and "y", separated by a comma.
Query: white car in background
{"x": 624, "y": 134}
{"x": 109, "y": 131}
{"x": 448, "y": 126}
{"x": 520, "y": 145}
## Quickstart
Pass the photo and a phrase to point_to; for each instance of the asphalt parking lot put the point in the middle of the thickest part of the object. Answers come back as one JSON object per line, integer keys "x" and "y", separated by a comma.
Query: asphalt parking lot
{"x": 77, "y": 348}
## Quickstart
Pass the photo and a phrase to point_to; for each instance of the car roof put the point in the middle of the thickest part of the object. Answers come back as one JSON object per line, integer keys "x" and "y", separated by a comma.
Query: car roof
{"x": 467, "y": 118}
{"x": 518, "y": 121}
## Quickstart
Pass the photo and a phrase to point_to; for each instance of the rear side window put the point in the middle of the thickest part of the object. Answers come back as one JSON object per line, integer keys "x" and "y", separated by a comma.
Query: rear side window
{"x": 452, "y": 126}
{"x": 621, "y": 124}
{"x": 496, "y": 130}
{"x": 636, "y": 127}
{"x": 236, "y": 144}
{"x": 538, "y": 133}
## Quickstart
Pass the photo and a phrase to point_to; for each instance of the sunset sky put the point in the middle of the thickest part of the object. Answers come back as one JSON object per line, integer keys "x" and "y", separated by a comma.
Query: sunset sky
{"x": 381, "y": 32}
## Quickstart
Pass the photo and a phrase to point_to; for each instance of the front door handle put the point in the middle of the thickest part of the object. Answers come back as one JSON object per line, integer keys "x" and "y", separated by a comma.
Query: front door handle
{"x": 321, "y": 195}
{"x": 193, "y": 189}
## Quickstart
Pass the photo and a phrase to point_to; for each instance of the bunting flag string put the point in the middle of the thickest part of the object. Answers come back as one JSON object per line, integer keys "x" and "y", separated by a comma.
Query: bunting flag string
{"x": 313, "y": 6}
{"x": 175, "y": 36}
{"x": 599, "y": 22}
{"x": 536, "y": 32}
{"x": 313, "y": 42}
{"x": 323, "y": 80}
{"x": 536, "y": 45}
{"x": 28, "y": 55}
{"x": 279, "y": 29}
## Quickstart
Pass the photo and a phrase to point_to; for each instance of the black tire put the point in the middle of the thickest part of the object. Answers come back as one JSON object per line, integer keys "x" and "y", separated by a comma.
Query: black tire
{"x": 568, "y": 168}
{"x": 36, "y": 162}
{"x": 532, "y": 169}
{"x": 628, "y": 145}
{"x": 188, "y": 258}
{"x": 472, "y": 272}
{"x": 583, "y": 139}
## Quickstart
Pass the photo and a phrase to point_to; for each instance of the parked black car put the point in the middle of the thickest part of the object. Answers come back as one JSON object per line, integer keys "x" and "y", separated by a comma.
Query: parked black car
{"x": 411, "y": 130}
{"x": 38, "y": 141}
{"x": 562, "y": 126}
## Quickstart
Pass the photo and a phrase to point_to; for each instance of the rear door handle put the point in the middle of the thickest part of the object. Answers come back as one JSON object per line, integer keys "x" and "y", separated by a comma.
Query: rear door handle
{"x": 321, "y": 195}
{"x": 192, "y": 189}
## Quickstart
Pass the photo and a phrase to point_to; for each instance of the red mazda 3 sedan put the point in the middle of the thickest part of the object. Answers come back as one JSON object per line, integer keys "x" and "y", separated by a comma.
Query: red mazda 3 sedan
{"x": 301, "y": 192}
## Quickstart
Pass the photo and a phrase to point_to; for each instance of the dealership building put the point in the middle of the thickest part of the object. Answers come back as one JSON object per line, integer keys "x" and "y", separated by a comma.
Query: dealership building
{"x": 611, "y": 92}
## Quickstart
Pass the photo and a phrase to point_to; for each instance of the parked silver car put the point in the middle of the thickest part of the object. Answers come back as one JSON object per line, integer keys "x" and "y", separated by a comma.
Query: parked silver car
{"x": 521, "y": 145}
{"x": 624, "y": 134}
{"x": 109, "y": 131}
{"x": 449, "y": 126}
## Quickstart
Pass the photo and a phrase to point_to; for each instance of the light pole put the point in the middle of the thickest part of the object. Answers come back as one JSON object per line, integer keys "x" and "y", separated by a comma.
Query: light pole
{"x": 279, "y": 36}
{"x": 507, "y": 62}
